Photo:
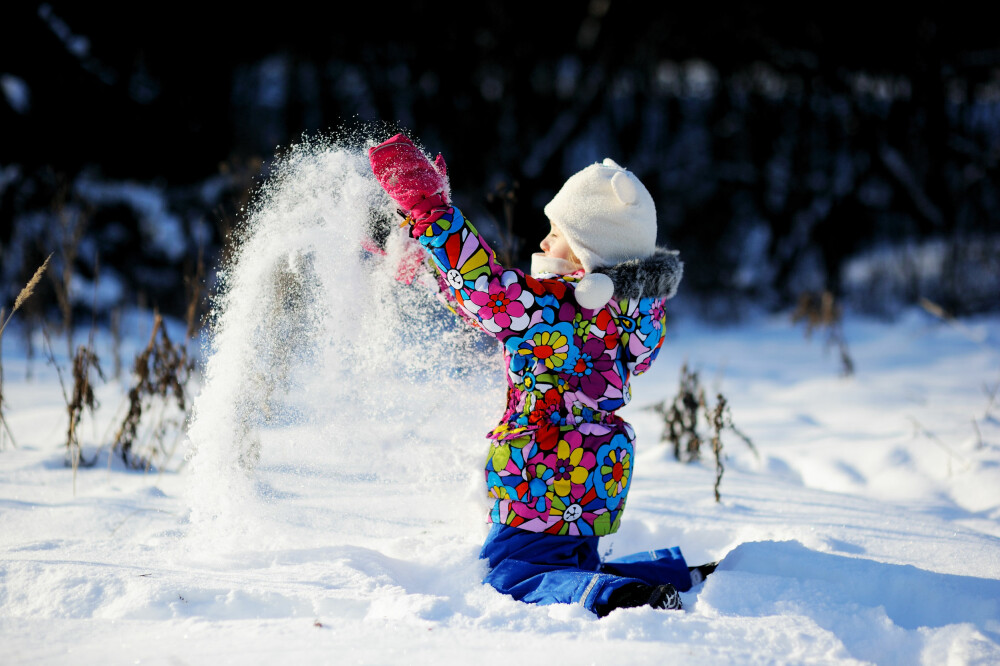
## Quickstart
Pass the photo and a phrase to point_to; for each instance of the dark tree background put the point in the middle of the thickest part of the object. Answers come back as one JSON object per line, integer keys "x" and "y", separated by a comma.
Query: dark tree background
{"x": 786, "y": 151}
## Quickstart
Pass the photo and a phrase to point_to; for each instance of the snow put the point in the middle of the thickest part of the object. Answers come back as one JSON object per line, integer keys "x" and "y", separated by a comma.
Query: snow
{"x": 15, "y": 90}
{"x": 866, "y": 531}
{"x": 78, "y": 45}
{"x": 160, "y": 227}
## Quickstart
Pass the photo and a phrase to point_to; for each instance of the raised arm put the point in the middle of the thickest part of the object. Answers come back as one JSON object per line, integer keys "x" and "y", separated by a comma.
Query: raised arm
{"x": 498, "y": 300}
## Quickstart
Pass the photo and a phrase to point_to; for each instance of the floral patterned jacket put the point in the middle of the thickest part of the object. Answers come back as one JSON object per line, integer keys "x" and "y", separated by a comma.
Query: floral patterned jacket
{"x": 560, "y": 460}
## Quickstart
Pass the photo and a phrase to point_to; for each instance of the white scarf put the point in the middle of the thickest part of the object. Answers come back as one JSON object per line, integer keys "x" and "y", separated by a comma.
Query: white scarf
{"x": 541, "y": 264}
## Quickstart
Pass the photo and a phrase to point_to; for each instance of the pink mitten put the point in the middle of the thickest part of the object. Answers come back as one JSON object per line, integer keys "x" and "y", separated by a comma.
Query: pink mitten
{"x": 410, "y": 179}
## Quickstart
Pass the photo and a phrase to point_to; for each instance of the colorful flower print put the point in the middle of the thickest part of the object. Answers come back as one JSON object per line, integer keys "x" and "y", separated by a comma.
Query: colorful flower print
{"x": 547, "y": 410}
{"x": 560, "y": 460}
{"x": 656, "y": 315}
{"x": 546, "y": 310}
{"x": 554, "y": 286}
{"x": 606, "y": 329}
{"x": 617, "y": 393}
{"x": 584, "y": 414}
{"x": 505, "y": 430}
{"x": 581, "y": 325}
{"x": 642, "y": 366}
{"x": 572, "y": 465}
{"x": 502, "y": 303}
{"x": 596, "y": 429}
{"x": 576, "y": 515}
{"x": 533, "y": 491}
{"x": 555, "y": 381}
{"x": 496, "y": 487}
{"x": 614, "y": 470}
{"x": 590, "y": 367}
{"x": 546, "y": 436}
{"x": 545, "y": 345}
{"x": 498, "y": 456}
{"x": 462, "y": 259}
{"x": 521, "y": 449}
{"x": 528, "y": 381}
{"x": 649, "y": 333}
{"x": 439, "y": 231}
{"x": 566, "y": 313}
{"x": 550, "y": 302}
{"x": 626, "y": 326}
{"x": 534, "y": 286}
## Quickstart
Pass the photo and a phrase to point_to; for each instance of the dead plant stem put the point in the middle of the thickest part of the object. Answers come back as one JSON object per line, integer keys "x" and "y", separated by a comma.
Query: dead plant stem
{"x": 937, "y": 440}
{"x": 25, "y": 294}
{"x": 52, "y": 360}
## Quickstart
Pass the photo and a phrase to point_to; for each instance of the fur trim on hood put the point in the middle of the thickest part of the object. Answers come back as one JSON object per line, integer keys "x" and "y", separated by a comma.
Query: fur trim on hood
{"x": 655, "y": 275}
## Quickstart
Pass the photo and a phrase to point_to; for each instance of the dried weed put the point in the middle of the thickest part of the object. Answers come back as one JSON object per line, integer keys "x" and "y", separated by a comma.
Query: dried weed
{"x": 681, "y": 423}
{"x": 820, "y": 311}
{"x": 23, "y": 296}
{"x": 161, "y": 371}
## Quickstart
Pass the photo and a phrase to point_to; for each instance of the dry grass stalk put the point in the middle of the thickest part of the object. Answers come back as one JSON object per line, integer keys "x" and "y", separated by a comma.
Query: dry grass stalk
{"x": 82, "y": 398}
{"x": 681, "y": 423}
{"x": 50, "y": 355}
{"x": 25, "y": 294}
{"x": 717, "y": 420}
{"x": 935, "y": 309}
{"x": 720, "y": 418}
{"x": 6, "y": 434}
{"x": 991, "y": 395}
{"x": 116, "y": 341}
{"x": 161, "y": 370}
{"x": 919, "y": 428}
{"x": 3, "y": 311}
{"x": 72, "y": 224}
{"x": 820, "y": 311}
{"x": 195, "y": 283}
{"x": 6, "y": 429}
{"x": 979, "y": 434}
{"x": 29, "y": 288}
{"x": 947, "y": 317}
{"x": 680, "y": 417}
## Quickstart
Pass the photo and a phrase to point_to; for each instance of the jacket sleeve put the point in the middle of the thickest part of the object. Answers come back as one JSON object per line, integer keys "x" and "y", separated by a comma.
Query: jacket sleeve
{"x": 496, "y": 299}
{"x": 641, "y": 323}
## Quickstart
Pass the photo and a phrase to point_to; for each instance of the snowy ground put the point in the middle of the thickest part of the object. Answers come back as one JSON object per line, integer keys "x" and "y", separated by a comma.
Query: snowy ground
{"x": 868, "y": 530}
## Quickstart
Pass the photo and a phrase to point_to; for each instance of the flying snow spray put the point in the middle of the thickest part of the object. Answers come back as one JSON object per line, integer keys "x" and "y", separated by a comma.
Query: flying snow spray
{"x": 337, "y": 396}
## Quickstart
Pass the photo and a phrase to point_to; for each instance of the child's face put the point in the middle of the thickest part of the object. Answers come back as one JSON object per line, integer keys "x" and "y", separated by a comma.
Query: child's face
{"x": 554, "y": 245}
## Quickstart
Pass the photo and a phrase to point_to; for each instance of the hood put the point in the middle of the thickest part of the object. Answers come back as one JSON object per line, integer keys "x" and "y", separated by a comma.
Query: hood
{"x": 657, "y": 275}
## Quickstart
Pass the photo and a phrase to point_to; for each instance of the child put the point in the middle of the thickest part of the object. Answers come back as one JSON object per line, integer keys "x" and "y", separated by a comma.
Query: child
{"x": 590, "y": 315}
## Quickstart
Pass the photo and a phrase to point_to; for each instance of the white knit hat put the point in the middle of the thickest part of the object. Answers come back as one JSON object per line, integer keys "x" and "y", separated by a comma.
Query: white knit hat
{"x": 607, "y": 216}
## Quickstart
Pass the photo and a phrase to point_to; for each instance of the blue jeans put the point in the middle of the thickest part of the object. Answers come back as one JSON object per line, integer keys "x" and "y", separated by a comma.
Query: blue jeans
{"x": 550, "y": 569}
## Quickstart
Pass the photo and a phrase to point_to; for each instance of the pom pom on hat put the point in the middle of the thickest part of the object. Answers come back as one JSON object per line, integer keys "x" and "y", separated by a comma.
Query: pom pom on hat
{"x": 594, "y": 291}
{"x": 606, "y": 214}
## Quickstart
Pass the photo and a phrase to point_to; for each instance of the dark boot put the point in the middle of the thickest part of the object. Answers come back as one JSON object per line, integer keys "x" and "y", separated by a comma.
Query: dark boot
{"x": 665, "y": 596}
{"x": 632, "y": 595}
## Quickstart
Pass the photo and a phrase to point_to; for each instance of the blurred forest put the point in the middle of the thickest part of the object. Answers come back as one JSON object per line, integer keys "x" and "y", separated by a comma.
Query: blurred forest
{"x": 785, "y": 151}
